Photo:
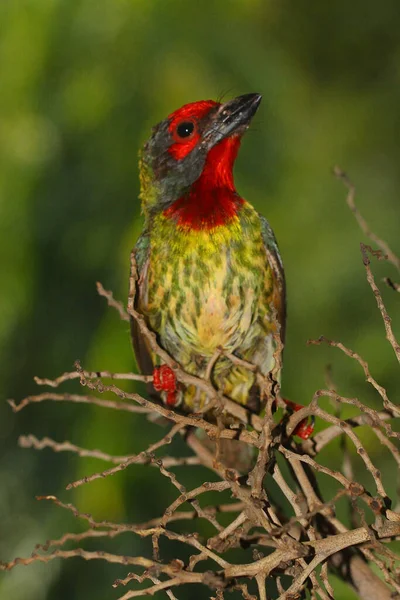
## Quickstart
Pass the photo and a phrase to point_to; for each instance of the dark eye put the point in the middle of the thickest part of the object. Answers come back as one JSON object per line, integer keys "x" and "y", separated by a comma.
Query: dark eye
{"x": 185, "y": 129}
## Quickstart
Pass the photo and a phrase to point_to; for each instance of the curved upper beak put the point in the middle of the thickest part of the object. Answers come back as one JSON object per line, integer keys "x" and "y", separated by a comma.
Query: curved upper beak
{"x": 232, "y": 118}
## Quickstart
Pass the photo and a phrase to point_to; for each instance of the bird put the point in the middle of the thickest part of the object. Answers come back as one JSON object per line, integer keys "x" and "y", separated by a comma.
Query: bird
{"x": 210, "y": 274}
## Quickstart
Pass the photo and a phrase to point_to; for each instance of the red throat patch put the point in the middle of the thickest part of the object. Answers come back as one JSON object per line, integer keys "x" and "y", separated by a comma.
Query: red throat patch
{"x": 212, "y": 200}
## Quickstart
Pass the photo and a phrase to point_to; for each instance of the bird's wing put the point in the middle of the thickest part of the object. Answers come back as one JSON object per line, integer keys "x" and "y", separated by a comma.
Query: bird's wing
{"x": 140, "y": 345}
{"x": 275, "y": 261}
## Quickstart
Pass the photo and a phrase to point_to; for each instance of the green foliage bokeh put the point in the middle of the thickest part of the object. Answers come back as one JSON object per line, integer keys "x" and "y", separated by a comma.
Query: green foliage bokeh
{"x": 82, "y": 82}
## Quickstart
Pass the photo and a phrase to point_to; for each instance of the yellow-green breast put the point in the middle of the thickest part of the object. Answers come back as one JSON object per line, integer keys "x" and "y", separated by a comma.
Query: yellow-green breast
{"x": 208, "y": 289}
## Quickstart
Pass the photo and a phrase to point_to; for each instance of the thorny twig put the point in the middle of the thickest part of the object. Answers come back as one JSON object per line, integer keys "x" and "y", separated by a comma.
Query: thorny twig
{"x": 298, "y": 535}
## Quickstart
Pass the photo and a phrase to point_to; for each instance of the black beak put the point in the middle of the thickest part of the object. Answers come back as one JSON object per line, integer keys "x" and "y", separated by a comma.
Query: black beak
{"x": 233, "y": 118}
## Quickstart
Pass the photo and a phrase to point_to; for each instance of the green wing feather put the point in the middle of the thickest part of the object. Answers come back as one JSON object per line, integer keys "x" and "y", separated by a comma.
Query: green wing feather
{"x": 141, "y": 250}
{"x": 275, "y": 261}
{"x": 140, "y": 346}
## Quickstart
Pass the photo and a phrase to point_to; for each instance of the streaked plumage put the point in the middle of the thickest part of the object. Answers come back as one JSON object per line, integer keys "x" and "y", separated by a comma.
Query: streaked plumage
{"x": 209, "y": 268}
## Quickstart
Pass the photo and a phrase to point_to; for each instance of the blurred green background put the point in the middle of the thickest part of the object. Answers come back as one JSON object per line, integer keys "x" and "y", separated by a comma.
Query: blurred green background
{"x": 82, "y": 82}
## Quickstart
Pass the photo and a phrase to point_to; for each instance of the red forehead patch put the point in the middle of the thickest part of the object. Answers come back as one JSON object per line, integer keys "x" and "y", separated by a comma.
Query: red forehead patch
{"x": 194, "y": 109}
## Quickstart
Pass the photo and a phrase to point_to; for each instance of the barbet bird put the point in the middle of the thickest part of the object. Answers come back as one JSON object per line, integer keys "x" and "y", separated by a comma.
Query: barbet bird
{"x": 210, "y": 276}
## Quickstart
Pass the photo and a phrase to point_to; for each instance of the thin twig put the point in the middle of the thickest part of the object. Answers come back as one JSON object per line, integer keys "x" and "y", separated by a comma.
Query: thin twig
{"x": 391, "y": 256}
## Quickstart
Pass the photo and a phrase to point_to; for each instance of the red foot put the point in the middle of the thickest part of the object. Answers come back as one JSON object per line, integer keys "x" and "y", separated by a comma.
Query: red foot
{"x": 164, "y": 380}
{"x": 303, "y": 429}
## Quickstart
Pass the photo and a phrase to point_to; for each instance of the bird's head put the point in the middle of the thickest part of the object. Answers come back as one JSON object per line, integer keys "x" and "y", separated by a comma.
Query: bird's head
{"x": 197, "y": 141}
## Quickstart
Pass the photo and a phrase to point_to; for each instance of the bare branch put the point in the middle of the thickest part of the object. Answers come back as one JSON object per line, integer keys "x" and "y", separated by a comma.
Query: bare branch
{"x": 390, "y": 255}
{"x": 112, "y": 302}
{"x": 296, "y": 540}
{"x": 167, "y": 439}
{"x": 92, "y": 375}
{"x": 387, "y": 321}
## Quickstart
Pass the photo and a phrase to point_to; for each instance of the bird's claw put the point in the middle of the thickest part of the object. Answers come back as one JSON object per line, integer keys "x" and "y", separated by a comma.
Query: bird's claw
{"x": 305, "y": 428}
{"x": 164, "y": 380}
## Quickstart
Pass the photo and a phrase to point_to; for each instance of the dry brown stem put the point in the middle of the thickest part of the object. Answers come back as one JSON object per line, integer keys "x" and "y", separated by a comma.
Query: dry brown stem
{"x": 390, "y": 255}
{"x": 299, "y": 535}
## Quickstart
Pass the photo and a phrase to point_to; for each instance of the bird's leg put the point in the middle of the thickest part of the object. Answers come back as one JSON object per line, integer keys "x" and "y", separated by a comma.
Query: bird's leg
{"x": 304, "y": 429}
{"x": 164, "y": 380}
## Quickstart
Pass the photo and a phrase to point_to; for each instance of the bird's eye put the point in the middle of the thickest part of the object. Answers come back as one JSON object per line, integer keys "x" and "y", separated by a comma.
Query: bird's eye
{"x": 185, "y": 130}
